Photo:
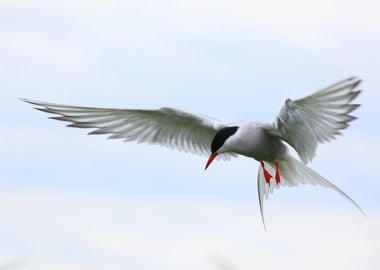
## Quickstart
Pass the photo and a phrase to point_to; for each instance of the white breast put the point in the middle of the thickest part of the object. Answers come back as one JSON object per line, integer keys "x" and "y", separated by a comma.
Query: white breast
{"x": 253, "y": 140}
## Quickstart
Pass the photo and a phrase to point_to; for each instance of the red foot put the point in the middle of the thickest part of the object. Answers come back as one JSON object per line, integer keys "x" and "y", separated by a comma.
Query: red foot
{"x": 267, "y": 175}
{"x": 277, "y": 177}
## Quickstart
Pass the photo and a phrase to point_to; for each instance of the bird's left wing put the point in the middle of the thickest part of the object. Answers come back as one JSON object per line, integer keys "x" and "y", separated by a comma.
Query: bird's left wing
{"x": 317, "y": 118}
{"x": 166, "y": 126}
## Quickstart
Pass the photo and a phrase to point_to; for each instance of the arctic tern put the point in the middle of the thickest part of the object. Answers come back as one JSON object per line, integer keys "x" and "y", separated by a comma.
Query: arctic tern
{"x": 301, "y": 124}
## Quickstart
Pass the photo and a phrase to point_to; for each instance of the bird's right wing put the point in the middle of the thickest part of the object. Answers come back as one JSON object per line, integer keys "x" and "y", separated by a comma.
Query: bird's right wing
{"x": 166, "y": 126}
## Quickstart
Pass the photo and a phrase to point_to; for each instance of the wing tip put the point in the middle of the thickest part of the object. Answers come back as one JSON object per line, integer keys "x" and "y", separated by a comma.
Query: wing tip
{"x": 355, "y": 80}
{"x": 30, "y": 101}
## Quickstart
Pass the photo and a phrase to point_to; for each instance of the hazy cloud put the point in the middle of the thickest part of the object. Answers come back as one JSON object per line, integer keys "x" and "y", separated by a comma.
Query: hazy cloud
{"x": 171, "y": 234}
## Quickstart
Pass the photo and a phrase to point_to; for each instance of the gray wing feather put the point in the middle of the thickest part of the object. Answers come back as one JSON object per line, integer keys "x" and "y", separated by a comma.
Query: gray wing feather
{"x": 318, "y": 118}
{"x": 166, "y": 126}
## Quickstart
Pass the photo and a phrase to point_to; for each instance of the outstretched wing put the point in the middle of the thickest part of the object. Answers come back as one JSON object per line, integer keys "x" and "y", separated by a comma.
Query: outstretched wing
{"x": 166, "y": 126}
{"x": 318, "y": 118}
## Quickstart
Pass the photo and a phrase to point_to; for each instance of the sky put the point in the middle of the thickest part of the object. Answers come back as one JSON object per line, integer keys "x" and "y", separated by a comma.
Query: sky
{"x": 72, "y": 201}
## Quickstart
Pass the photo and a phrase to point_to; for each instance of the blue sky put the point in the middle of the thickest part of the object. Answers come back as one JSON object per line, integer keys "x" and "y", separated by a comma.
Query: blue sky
{"x": 71, "y": 201}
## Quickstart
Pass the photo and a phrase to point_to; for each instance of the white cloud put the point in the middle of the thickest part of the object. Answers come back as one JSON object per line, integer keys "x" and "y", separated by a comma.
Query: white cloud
{"x": 320, "y": 24}
{"x": 37, "y": 47}
{"x": 33, "y": 58}
{"x": 50, "y": 227}
{"x": 74, "y": 40}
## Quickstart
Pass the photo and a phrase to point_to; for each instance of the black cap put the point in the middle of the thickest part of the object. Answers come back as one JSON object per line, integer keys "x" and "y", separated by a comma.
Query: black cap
{"x": 221, "y": 137}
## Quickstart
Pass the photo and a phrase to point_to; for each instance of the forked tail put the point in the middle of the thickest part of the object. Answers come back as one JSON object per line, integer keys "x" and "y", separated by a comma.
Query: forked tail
{"x": 293, "y": 173}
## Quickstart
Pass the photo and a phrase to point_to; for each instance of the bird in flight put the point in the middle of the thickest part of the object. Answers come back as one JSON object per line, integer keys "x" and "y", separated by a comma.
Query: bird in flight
{"x": 301, "y": 124}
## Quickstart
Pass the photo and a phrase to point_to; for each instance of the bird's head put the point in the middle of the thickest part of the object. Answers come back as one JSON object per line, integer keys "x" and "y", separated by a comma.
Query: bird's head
{"x": 218, "y": 144}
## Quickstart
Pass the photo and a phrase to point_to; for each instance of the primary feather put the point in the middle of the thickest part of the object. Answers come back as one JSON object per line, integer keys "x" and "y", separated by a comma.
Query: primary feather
{"x": 166, "y": 126}
{"x": 318, "y": 118}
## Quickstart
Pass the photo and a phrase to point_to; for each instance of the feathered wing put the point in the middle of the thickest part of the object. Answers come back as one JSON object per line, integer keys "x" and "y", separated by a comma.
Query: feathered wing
{"x": 166, "y": 126}
{"x": 318, "y": 118}
{"x": 293, "y": 173}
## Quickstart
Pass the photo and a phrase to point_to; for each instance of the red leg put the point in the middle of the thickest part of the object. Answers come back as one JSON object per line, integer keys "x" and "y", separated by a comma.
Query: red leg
{"x": 267, "y": 175}
{"x": 277, "y": 177}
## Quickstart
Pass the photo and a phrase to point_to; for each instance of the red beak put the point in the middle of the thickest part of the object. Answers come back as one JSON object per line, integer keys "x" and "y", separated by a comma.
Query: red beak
{"x": 210, "y": 159}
